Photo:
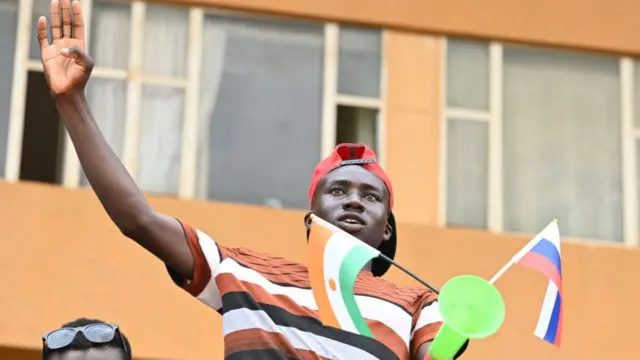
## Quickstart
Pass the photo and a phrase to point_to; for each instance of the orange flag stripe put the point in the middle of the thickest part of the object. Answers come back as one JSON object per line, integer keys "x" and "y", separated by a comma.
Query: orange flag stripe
{"x": 318, "y": 240}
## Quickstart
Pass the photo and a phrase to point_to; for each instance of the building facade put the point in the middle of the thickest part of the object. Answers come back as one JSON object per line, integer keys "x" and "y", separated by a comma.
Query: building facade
{"x": 491, "y": 118}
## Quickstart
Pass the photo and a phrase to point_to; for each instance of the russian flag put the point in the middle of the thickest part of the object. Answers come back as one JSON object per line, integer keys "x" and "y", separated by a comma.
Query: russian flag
{"x": 542, "y": 254}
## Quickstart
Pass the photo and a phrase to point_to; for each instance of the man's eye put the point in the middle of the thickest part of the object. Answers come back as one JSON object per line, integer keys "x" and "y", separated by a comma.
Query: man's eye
{"x": 372, "y": 197}
{"x": 336, "y": 192}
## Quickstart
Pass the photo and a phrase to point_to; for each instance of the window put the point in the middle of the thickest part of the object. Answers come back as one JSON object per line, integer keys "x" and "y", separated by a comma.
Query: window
{"x": 217, "y": 104}
{"x": 108, "y": 45}
{"x": 359, "y": 61}
{"x": 42, "y": 144}
{"x": 8, "y": 28}
{"x": 261, "y": 109}
{"x": 357, "y": 101}
{"x": 534, "y": 134}
{"x": 467, "y": 133}
{"x": 357, "y": 125}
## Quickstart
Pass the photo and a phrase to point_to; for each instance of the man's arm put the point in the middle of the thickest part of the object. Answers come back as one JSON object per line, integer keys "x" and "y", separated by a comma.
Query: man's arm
{"x": 423, "y": 351}
{"x": 67, "y": 68}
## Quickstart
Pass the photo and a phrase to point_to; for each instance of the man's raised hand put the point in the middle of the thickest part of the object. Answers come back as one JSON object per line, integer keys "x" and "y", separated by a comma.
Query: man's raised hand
{"x": 66, "y": 65}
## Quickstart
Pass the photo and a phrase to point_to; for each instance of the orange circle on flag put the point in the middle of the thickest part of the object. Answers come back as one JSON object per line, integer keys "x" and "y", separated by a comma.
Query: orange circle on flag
{"x": 332, "y": 284}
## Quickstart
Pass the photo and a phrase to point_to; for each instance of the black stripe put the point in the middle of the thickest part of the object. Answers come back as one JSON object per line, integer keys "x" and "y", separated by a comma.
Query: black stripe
{"x": 290, "y": 285}
{"x": 270, "y": 354}
{"x": 281, "y": 317}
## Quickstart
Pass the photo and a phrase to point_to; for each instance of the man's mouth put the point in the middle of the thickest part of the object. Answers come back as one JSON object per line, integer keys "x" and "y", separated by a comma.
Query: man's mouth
{"x": 351, "y": 223}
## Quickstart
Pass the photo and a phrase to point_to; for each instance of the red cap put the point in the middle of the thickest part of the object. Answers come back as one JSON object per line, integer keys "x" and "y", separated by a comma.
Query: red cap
{"x": 350, "y": 154}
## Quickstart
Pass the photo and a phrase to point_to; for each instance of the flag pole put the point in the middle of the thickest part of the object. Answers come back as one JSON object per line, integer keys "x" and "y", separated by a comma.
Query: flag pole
{"x": 408, "y": 272}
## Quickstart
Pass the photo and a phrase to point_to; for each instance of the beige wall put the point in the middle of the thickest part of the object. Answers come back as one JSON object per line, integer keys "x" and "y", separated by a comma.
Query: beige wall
{"x": 604, "y": 25}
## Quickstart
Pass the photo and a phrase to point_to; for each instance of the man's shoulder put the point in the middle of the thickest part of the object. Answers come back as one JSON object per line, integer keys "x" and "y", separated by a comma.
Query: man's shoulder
{"x": 274, "y": 268}
{"x": 409, "y": 298}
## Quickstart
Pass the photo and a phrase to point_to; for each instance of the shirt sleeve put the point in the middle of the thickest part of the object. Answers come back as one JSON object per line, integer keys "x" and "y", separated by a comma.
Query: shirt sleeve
{"x": 427, "y": 321}
{"x": 207, "y": 256}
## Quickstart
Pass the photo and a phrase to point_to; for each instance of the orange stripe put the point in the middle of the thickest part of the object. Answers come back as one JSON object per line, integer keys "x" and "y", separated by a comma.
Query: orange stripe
{"x": 318, "y": 239}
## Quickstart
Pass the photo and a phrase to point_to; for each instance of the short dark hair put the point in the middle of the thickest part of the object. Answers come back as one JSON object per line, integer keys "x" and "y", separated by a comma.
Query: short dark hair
{"x": 81, "y": 343}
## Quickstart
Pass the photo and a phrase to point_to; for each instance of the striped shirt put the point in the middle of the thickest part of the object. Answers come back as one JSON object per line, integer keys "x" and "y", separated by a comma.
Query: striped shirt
{"x": 269, "y": 312}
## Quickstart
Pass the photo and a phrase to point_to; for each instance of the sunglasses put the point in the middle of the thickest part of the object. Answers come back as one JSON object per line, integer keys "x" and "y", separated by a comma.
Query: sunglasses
{"x": 96, "y": 333}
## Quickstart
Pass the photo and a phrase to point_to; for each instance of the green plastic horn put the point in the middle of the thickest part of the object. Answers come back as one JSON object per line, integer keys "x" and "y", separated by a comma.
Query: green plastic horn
{"x": 471, "y": 308}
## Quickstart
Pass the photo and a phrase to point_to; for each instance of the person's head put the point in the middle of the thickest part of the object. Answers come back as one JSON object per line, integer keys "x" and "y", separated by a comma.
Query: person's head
{"x": 86, "y": 339}
{"x": 351, "y": 190}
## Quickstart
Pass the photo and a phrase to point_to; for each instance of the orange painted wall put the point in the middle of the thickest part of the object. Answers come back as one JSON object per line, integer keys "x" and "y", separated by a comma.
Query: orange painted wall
{"x": 61, "y": 258}
{"x": 605, "y": 25}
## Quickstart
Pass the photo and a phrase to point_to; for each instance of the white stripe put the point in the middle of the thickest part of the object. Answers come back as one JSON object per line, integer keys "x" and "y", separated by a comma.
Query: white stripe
{"x": 385, "y": 312}
{"x": 243, "y": 319}
{"x": 429, "y": 315}
{"x": 547, "y": 310}
{"x": 302, "y": 297}
{"x": 334, "y": 252}
{"x": 210, "y": 295}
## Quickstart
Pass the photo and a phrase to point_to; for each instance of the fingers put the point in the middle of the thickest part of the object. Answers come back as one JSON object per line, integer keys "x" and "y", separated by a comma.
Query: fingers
{"x": 42, "y": 32}
{"x": 66, "y": 17}
{"x": 81, "y": 58}
{"x": 56, "y": 26}
{"x": 78, "y": 20}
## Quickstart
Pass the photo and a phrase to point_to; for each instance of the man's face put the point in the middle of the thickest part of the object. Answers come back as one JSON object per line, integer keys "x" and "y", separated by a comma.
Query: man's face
{"x": 103, "y": 353}
{"x": 356, "y": 201}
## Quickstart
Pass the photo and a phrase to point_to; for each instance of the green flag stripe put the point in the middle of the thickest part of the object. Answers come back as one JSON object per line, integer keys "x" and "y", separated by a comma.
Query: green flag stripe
{"x": 351, "y": 265}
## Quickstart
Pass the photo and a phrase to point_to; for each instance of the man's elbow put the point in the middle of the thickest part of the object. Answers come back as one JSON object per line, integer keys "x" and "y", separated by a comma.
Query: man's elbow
{"x": 136, "y": 226}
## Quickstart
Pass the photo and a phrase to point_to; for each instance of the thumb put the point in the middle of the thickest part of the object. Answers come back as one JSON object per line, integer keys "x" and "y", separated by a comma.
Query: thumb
{"x": 82, "y": 59}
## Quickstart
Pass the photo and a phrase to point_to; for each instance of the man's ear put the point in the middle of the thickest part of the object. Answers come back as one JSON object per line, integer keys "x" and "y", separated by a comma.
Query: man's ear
{"x": 388, "y": 230}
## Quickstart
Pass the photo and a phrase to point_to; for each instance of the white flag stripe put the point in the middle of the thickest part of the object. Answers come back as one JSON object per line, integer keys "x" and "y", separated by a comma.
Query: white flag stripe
{"x": 335, "y": 251}
{"x": 547, "y": 310}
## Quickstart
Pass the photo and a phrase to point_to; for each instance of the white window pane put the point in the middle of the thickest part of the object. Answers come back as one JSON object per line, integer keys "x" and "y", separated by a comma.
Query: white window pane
{"x": 8, "y": 26}
{"x": 40, "y": 8}
{"x": 166, "y": 39}
{"x": 357, "y": 125}
{"x": 467, "y": 173}
{"x": 160, "y": 140}
{"x": 359, "y": 61}
{"x": 636, "y": 88}
{"x": 562, "y": 143}
{"x": 107, "y": 99}
{"x": 261, "y": 105}
{"x": 468, "y": 74}
{"x": 110, "y": 34}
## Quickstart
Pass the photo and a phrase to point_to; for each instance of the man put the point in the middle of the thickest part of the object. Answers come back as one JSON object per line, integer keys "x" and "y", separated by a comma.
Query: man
{"x": 86, "y": 339}
{"x": 267, "y": 306}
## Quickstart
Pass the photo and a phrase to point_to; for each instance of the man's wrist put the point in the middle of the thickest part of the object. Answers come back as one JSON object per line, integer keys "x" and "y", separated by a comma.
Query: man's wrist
{"x": 71, "y": 99}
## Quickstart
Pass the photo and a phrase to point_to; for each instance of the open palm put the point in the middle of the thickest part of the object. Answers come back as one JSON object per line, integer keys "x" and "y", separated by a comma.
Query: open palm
{"x": 66, "y": 66}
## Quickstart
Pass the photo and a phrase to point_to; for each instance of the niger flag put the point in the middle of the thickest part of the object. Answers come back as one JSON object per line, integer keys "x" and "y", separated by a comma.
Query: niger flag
{"x": 335, "y": 258}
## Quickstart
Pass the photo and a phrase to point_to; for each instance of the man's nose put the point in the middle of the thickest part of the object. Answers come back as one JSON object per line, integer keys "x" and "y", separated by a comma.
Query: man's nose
{"x": 353, "y": 202}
